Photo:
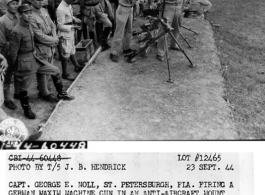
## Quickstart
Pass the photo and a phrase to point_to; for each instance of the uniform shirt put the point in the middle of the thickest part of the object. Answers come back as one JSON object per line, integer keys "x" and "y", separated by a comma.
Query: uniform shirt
{"x": 21, "y": 49}
{"x": 64, "y": 18}
{"x": 7, "y": 23}
{"x": 2, "y": 7}
{"x": 44, "y": 32}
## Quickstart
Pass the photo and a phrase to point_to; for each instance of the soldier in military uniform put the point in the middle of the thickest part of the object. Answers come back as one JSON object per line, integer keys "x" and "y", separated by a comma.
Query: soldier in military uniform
{"x": 172, "y": 11}
{"x": 66, "y": 32}
{"x": 45, "y": 42}
{"x": 27, "y": 62}
{"x": 7, "y": 23}
{"x": 123, "y": 32}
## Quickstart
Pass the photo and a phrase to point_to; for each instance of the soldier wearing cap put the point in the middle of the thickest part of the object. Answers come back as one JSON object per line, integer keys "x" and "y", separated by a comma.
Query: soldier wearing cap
{"x": 27, "y": 62}
{"x": 7, "y": 23}
{"x": 66, "y": 32}
{"x": 172, "y": 11}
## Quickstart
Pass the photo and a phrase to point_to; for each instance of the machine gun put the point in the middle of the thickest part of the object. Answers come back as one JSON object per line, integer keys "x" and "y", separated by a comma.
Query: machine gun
{"x": 167, "y": 29}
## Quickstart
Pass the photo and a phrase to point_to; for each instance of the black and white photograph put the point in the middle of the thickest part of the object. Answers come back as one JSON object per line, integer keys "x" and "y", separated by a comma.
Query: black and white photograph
{"x": 132, "y": 97}
{"x": 133, "y": 70}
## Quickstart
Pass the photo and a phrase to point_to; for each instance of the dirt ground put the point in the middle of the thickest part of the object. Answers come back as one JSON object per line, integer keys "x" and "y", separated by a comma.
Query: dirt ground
{"x": 123, "y": 101}
{"x": 241, "y": 46}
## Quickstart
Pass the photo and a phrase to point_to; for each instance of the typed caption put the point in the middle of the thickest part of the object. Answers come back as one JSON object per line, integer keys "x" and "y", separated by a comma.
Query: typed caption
{"x": 124, "y": 173}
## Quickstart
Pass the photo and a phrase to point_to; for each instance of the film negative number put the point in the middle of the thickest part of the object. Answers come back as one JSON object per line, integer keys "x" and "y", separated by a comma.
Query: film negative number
{"x": 47, "y": 145}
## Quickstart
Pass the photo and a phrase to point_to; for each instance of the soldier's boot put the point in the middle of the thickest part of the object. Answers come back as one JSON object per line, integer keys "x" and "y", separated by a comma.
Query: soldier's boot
{"x": 104, "y": 38}
{"x": 78, "y": 67}
{"x": 24, "y": 100}
{"x": 99, "y": 29}
{"x": 8, "y": 102}
{"x": 84, "y": 30}
{"x": 59, "y": 52}
{"x": 16, "y": 86}
{"x": 65, "y": 74}
{"x": 92, "y": 36}
{"x": 62, "y": 94}
{"x": 113, "y": 28}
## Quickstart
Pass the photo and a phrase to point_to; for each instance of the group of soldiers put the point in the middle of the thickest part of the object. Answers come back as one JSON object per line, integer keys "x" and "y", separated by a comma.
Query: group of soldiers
{"x": 31, "y": 30}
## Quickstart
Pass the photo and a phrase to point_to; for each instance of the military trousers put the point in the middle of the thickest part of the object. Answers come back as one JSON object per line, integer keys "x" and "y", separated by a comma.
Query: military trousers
{"x": 123, "y": 32}
{"x": 43, "y": 79}
{"x": 42, "y": 69}
{"x": 173, "y": 13}
{"x": 8, "y": 77}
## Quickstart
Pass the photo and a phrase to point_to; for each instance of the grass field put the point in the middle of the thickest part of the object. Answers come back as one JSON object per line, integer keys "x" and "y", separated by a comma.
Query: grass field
{"x": 241, "y": 44}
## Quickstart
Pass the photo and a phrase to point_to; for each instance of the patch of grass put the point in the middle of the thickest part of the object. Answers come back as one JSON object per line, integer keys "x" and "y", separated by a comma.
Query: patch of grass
{"x": 241, "y": 43}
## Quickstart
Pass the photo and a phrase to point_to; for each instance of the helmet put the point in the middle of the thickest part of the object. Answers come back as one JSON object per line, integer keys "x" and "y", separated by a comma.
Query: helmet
{"x": 8, "y": 1}
{"x": 24, "y": 8}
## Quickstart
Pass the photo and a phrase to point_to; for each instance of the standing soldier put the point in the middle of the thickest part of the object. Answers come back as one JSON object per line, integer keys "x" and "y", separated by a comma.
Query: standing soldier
{"x": 123, "y": 32}
{"x": 27, "y": 62}
{"x": 66, "y": 32}
{"x": 45, "y": 43}
{"x": 172, "y": 11}
{"x": 7, "y": 23}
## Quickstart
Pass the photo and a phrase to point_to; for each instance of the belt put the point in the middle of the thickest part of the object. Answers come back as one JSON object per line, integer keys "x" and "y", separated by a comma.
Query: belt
{"x": 69, "y": 23}
{"x": 173, "y": 3}
{"x": 125, "y": 5}
{"x": 25, "y": 52}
